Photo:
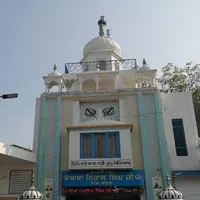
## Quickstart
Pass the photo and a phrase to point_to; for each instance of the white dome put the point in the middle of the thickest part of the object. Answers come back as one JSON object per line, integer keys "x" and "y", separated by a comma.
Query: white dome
{"x": 101, "y": 43}
{"x": 54, "y": 73}
{"x": 169, "y": 192}
{"x": 144, "y": 68}
{"x": 31, "y": 193}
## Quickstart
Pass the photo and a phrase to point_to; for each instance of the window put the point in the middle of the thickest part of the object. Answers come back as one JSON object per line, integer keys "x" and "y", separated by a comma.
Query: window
{"x": 99, "y": 145}
{"x": 179, "y": 137}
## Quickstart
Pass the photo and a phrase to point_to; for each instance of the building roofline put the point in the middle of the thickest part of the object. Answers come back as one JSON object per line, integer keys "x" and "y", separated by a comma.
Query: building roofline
{"x": 17, "y": 152}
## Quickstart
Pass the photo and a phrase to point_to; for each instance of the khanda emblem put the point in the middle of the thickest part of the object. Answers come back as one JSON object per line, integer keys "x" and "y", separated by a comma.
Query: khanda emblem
{"x": 138, "y": 177}
{"x": 108, "y": 111}
{"x": 90, "y": 112}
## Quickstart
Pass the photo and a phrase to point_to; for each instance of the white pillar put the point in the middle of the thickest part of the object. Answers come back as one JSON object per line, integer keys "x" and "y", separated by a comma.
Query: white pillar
{"x": 62, "y": 197}
{"x": 60, "y": 87}
{"x": 143, "y": 196}
{"x": 97, "y": 82}
{"x": 46, "y": 87}
{"x": 80, "y": 81}
{"x": 138, "y": 84}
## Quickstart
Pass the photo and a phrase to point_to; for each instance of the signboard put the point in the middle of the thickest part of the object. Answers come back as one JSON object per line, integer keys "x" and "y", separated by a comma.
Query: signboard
{"x": 99, "y": 164}
{"x": 20, "y": 180}
{"x": 48, "y": 191}
{"x": 109, "y": 190}
{"x": 102, "y": 179}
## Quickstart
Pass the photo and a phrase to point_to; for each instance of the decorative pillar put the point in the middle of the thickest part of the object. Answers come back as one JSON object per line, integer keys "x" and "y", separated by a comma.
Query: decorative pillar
{"x": 57, "y": 151}
{"x": 41, "y": 144}
{"x": 139, "y": 83}
{"x": 97, "y": 82}
{"x": 147, "y": 169}
{"x": 46, "y": 87}
{"x": 161, "y": 135}
{"x": 80, "y": 81}
{"x": 60, "y": 87}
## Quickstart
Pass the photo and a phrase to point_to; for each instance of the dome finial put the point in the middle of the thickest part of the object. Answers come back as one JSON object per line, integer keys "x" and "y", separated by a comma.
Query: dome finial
{"x": 101, "y": 24}
{"x": 168, "y": 180}
{"x": 108, "y": 33}
{"x": 144, "y": 62}
{"x": 54, "y": 67}
{"x": 33, "y": 179}
{"x": 169, "y": 192}
{"x": 31, "y": 192}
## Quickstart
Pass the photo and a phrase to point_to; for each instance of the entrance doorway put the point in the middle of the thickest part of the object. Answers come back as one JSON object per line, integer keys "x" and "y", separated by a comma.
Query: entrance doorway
{"x": 103, "y": 197}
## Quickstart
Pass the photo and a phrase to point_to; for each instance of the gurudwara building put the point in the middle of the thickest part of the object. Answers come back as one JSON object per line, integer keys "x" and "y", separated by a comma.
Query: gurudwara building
{"x": 108, "y": 133}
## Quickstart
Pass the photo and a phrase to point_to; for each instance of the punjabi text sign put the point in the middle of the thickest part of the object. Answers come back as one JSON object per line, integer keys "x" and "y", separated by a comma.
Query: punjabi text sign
{"x": 20, "y": 180}
{"x": 102, "y": 179}
{"x": 99, "y": 164}
{"x": 76, "y": 191}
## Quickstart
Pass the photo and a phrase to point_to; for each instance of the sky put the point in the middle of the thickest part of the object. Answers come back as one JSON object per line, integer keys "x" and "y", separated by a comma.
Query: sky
{"x": 35, "y": 35}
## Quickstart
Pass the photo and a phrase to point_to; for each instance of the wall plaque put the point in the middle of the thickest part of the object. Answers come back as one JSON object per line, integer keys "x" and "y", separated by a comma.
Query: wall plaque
{"x": 48, "y": 189}
{"x": 20, "y": 180}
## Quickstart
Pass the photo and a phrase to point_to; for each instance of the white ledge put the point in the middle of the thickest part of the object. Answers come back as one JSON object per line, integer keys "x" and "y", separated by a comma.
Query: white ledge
{"x": 15, "y": 152}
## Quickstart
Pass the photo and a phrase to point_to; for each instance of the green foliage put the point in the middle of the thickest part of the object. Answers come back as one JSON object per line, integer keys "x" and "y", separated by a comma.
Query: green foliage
{"x": 186, "y": 79}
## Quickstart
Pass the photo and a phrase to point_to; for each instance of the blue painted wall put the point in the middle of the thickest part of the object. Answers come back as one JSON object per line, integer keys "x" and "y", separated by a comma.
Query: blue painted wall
{"x": 152, "y": 132}
{"x": 41, "y": 143}
{"x": 50, "y": 146}
{"x": 146, "y": 159}
{"x": 161, "y": 137}
{"x": 57, "y": 150}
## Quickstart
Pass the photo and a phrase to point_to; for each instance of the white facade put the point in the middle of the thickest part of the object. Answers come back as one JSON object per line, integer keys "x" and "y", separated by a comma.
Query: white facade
{"x": 189, "y": 186}
{"x": 180, "y": 105}
{"x": 15, "y": 164}
{"x": 124, "y": 162}
{"x": 185, "y": 169}
{"x": 99, "y": 125}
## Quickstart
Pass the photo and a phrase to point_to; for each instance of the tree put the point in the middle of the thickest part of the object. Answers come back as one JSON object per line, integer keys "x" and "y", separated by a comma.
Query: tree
{"x": 186, "y": 79}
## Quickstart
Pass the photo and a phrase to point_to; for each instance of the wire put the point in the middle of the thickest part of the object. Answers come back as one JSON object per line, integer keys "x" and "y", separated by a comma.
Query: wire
{"x": 191, "y": 195}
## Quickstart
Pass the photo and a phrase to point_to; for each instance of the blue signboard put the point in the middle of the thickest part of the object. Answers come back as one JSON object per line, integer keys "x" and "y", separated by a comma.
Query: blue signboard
{"x": 124, "y": 178}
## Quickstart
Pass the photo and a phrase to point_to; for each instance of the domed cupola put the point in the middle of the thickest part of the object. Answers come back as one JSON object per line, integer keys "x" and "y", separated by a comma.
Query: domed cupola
{"x": 54, "y": 78}
{"x": 102, "y": 43}
{"x": 169, "y": 192}
{"x": 31, "y": 193}
{"x": 144, "y": 66}
{"x": 55, "y": 72}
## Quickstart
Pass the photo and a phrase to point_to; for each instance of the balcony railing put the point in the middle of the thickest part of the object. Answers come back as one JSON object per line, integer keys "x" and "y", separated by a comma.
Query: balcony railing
{"x": 110, "y": 65}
